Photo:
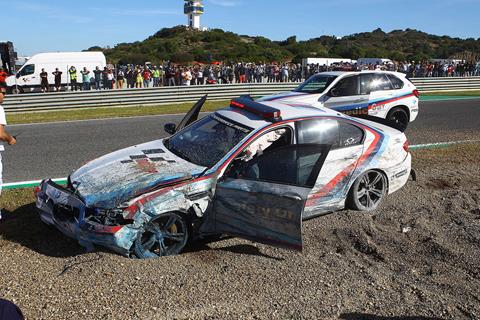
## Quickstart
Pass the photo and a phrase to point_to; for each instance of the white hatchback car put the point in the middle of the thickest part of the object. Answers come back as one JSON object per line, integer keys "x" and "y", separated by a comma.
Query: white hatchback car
{"x": 388, "y": 95}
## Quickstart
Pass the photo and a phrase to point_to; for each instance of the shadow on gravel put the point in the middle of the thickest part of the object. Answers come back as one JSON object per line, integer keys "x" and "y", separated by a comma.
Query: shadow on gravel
{"x": 248, "y": 250}
{"x": 238, "y": 249}
{"x": 364, "y": 316}
{"x": 23, "y": 226}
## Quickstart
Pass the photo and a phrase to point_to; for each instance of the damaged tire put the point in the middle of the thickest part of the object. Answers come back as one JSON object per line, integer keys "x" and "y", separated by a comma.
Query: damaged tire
{"x": 164, "y": 235}
{"x": 367, "y": 191}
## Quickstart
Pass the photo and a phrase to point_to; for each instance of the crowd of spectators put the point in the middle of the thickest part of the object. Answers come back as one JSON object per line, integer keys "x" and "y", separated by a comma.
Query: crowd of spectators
{"x": 137, "y": 76}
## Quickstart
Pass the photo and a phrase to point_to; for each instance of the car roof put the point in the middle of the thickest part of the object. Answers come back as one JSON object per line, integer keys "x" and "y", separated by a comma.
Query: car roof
{"x": 288, "y": 111}
{"x": 340, "y": 73}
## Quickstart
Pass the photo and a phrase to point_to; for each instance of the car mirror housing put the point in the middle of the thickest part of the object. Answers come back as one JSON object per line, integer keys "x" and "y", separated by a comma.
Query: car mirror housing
{"x": 170, "y": 128}
{"x": 333, "y": 92}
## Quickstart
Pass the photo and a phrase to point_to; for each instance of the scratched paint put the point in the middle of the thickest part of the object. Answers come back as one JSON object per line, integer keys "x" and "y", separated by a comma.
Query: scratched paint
{"x": 144, "y": 181}
{"x": 109, "y": 181}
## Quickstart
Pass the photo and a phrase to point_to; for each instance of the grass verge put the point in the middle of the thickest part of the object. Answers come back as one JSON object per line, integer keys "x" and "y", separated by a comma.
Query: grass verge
{"x": 108, "y": 112}
{"x": 475, "y": 93}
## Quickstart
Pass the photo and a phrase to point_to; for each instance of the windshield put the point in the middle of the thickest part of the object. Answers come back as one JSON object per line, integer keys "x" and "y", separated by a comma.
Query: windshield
{"x": 316, "y": 84}
{"x": 207, "y": 141}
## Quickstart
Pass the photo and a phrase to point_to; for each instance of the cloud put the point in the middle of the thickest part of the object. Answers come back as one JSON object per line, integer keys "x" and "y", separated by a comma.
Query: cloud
{"x": 226, "y": 3}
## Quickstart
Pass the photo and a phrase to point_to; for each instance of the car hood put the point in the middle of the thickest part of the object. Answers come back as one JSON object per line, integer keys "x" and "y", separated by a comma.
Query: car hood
{"x": 283, "y": 96}
{"x": 115, "y": 178}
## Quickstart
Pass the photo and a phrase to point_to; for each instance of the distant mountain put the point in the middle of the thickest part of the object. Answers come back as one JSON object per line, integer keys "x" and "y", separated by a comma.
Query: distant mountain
{"x": 180, "y": 44}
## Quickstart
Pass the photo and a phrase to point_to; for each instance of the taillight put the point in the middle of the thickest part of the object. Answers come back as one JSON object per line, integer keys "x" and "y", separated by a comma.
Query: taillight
{"x": 416, "y": 93}
{"x": 36, "y": 190}
{"x": 406, "y": 146}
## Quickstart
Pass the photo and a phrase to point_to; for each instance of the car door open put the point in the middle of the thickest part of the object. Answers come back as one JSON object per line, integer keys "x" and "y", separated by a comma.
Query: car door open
{"x": 189, "y": 118}
{"x": 263, "y": 201}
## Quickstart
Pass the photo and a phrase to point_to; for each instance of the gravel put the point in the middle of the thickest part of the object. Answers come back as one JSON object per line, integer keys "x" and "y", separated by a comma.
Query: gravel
{"x": 416, "y": 256}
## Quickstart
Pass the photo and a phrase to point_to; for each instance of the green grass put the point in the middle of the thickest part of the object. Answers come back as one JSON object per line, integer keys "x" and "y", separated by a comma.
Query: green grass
{"x": 475, "y": 93}
{"x": 107, "y": 112}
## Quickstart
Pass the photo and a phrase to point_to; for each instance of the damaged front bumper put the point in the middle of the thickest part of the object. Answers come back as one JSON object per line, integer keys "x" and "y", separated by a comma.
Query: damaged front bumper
{"x": 62, "y": 208}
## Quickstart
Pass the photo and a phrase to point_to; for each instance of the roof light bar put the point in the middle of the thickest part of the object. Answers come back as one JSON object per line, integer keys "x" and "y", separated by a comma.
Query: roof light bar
{"x": 262, "y": 110}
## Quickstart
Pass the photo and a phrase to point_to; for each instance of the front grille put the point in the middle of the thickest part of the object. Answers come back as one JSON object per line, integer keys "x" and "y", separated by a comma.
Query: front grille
{"x": 66, "y": 213}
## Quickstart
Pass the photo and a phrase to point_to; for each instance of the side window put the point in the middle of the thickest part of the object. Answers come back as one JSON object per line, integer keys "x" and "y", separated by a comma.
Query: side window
{"x": 295, "y": 165}
{"x": 27, "y": 70}
{"x": 268, "y": 141}
{"x": 346, "y": 87}
{"x": 371, "y": 82}
{"x": 350, "y": 135}
{"x": 320, "y": 131}
{"x": 396, "y": 83}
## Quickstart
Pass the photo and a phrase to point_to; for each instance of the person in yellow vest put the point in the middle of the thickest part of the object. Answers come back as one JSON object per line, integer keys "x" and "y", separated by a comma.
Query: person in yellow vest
{"x": 72, "y": 72}
{"x": 156, "y": 77}
{"x": 139, "y": 79}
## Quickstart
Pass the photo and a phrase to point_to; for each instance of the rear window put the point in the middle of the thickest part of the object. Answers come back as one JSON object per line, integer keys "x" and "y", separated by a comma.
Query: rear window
{"x": 396, "y": 83}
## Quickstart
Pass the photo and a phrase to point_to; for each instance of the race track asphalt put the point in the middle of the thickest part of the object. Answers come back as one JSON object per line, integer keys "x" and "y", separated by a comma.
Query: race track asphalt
{"x": 55, "y": 149}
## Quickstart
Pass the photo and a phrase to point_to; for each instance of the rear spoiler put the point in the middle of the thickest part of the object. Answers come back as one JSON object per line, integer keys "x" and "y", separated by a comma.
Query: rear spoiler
{"x": 383, "y": 121}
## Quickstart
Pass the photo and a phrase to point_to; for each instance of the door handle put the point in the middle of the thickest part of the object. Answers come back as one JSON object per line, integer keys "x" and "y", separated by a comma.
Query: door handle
{"x": 292, "y": 196}
{"x": 361, "y": 100}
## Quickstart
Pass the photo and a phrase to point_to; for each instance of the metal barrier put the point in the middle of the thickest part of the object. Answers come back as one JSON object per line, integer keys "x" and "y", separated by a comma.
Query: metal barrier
{"x": 171, "y": 95}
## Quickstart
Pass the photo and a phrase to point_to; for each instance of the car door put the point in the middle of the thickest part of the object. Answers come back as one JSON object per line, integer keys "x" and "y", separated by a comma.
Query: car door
{"x": 346, "y": 142}
{"x": 345, "y": 96}
{"x": 189, "y": 118}
{"x": 379, "y": 89}
{"x": 265, "y": 199}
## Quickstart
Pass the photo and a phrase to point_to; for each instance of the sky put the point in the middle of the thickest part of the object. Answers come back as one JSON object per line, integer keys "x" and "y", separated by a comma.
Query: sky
{"x": 58, "y": 25}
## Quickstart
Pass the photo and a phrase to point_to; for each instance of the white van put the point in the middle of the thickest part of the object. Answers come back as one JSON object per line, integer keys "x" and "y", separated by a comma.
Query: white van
{"x": 27, "y": 78}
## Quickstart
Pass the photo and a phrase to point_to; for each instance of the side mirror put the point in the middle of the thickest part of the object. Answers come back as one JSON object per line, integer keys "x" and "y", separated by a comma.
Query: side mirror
{"x": 333, "y": 92}
{"x": 170, "y": 128}
{"x": 17, "y": 75}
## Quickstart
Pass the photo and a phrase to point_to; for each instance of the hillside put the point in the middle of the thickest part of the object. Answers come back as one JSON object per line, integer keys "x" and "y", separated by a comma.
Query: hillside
{"x": 180, "y": 44}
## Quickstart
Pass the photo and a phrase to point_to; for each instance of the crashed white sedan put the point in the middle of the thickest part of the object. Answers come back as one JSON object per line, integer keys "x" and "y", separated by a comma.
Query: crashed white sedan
{"x": 252, "y": 170}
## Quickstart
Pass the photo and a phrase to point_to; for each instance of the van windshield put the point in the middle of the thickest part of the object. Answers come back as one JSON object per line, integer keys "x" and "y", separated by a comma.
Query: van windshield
{"x": 316, "y": 84}
{"x": 27, "y": 70}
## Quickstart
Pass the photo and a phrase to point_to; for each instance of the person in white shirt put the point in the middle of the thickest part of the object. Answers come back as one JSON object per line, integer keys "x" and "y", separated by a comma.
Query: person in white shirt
{"x": 4, "y": 135}
{"x": 186, "y": 77}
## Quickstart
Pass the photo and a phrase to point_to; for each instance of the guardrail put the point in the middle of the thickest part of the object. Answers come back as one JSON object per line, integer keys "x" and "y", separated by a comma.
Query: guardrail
{"x": 171, "y": 95}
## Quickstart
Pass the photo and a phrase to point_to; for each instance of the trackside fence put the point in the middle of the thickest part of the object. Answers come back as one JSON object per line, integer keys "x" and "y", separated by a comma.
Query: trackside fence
{"x": 171, "y": 95}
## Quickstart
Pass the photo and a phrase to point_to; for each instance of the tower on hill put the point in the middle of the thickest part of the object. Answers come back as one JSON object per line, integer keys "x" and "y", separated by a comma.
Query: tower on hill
{"x": 193, "y": 9}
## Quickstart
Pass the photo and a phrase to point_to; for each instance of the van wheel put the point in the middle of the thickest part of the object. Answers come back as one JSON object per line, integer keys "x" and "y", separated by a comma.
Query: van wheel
{"x": 400, "y": 117}
{"x": 17, "y": 90}
{"x": 367, "y": 191}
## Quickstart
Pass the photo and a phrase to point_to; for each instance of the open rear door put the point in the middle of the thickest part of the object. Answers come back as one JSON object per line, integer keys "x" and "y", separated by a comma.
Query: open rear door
{"x": 264, "y": 200}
